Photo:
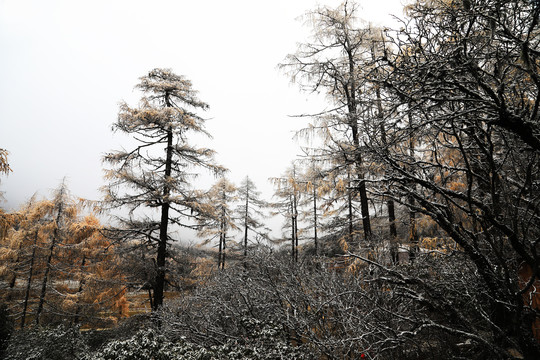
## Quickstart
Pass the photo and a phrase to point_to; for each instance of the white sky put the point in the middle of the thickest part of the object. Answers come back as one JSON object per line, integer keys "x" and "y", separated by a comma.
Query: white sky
{"x": 65, "y": 65}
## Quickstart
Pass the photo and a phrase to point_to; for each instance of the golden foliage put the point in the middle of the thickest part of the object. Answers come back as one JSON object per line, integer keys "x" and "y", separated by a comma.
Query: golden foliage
{"x": 83, "y": 279}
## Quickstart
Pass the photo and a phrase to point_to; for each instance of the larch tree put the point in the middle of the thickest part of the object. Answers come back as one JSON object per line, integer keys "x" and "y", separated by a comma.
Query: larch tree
{"x": 62, "y": 212}
{"x": 156, "y": 173}
{"x": 288, "y": 193}
{"x": 314, "y": 188}
{"x": 249, "y": 212}
{"x": 220, "y": 217}
{"x": 331, "y": 63}
{"x": 58, "y": 265}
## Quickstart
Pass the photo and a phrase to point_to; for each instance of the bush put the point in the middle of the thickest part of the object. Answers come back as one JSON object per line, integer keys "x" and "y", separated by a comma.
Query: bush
{"x": 57, "y": 343}
{"x": 148, "y": 344}
{"x": 6, "y": 328}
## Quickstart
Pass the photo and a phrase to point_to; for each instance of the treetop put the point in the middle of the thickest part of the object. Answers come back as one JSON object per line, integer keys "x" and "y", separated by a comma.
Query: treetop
{"x": 167, "y": 87}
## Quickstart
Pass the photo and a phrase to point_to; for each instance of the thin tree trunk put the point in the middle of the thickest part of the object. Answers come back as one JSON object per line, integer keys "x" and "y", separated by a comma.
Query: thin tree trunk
{"x": 246, "y": 224}
{"x": 150, "y": 298}
{"x": 413, "y": 232}
{"x": 224, "y": 251}
{"x": 292, "y": 238}
{"x": 81, "y": 286}
{"x": 45, "y": 281}
{"x": 349, "y": 203}
{"x": 220, "y": 250}
{"x": 16, "y": 270}
{"x": 224, "y": 225}
{"x": 315, "y": 239}
{"x": 48, "y": 263}
{"x": 29, "y": 282}
{"x": 295, "y": 226}
{"x": 389, "y": 202}
{"x": 222, "y": 235}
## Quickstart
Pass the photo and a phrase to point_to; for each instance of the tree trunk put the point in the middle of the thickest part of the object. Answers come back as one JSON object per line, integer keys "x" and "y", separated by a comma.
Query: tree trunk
{"x": 222, "y": 235}
{"x": 81, "y": 287}
{"x": 163, "y": 229}
{"x": 224, "y": 250}
{"x": 350, "y": 206}
{"x": 164, "y": 222}
{"x": 48, "y": 264}
{"x": 29, "y": 282}
{"x": 413, "y": 232}
{"x": 45, "y": 281}
{"x": 16, "y": 270}
{"x": 389, "y": 202}
{"x": 315, "y": 239}
{"x": 246, "y": 224}
{"x": 220, "y": 251}
{"x": 351, "y": 94}
{"x": 295, "y": 226}
{"x": 224, "y": 226}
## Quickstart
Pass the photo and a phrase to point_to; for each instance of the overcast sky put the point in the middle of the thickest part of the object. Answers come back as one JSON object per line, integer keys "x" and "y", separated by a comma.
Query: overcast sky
{"x": 65, "y": 65}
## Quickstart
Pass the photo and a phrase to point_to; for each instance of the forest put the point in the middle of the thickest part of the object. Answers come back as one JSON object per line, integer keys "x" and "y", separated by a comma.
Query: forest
{"x": 411, "y": 223}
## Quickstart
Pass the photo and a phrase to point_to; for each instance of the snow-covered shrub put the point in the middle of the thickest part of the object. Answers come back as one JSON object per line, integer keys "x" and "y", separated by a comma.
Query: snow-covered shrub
{"x": 56, "y": 343}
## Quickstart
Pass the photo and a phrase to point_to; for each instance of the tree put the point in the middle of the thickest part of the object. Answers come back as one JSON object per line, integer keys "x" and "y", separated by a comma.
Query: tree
{"x": 4, "y": 164}
{"x": 332, "y": 63}
{"x": 249, "y": 211}
{"x": 143, "y": 178}
{"x": 288, "y": 191}
{"x": 220, "y": 219}
{"x": 467, "y": 74}
{"x": 62, "y": 213}
{"x": 57, "y": 265}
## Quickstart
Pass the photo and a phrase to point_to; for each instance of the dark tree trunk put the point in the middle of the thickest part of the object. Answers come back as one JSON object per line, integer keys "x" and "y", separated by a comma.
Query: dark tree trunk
{"x": 351, "y": 95}
{"x": 17, "y": 266}
{"x": 81, "y": 287}
{"x": 413, "y": 231}
{"x": 246, "y": 227}
{"x": 163, "y": 229}
{"x": 389, "y": 202}
{"x": 29, "y": 282}
{"x": 315, "y": 239}
{"x": 295, "y": 226}
{"x": 350, "y": 206}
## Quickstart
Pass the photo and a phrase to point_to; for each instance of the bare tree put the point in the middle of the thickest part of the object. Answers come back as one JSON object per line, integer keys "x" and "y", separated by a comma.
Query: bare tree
{"x": 467, "y": 88}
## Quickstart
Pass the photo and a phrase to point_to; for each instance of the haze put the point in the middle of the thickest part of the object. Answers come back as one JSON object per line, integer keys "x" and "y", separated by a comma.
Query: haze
{"x": 65, "y": 65}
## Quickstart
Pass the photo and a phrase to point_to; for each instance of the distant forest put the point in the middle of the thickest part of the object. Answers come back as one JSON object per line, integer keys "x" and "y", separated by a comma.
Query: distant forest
{"x": 411, "y": 231}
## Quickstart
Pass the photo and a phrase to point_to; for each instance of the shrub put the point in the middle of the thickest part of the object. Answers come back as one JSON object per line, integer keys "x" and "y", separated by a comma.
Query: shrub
{"x": 56, "y": 343}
